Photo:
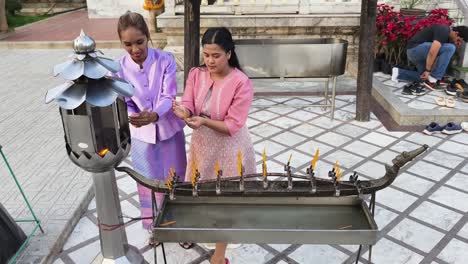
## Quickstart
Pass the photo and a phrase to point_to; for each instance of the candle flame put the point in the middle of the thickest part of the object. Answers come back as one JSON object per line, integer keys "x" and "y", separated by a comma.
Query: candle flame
{"x": 103, "y": 152}
{"x": 194, "y": 171}
{"x": 289, "y": 160}
{"x": 217, "y": 168}
{"x": 264, "y": 167}
{"x": 239, "y": 162}
{"x": 314, "y": 160}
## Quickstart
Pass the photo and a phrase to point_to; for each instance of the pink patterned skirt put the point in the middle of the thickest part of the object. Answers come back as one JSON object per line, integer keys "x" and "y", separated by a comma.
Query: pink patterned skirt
{"x": 208, "y": 147}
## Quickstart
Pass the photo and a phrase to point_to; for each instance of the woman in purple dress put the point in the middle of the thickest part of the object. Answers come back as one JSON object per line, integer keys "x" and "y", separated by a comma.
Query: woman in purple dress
{"x": 157, "y": 135}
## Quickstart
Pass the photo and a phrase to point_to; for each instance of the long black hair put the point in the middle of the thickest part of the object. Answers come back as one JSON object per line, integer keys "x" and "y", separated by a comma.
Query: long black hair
{"x": 223, "y": 38}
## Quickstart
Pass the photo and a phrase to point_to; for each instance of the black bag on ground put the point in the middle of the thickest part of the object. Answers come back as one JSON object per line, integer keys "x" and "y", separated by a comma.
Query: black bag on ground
{"x": 11, "y": 236}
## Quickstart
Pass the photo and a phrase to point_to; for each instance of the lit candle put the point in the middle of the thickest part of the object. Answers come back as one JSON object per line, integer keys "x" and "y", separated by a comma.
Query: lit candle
{"x": 264, "y": 167}
{"x": 239, "y": 163}
{"x": 314, "y": 160}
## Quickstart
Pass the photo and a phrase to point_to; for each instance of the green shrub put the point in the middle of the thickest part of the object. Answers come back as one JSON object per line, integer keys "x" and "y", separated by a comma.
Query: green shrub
{"x": 12, "y": 6}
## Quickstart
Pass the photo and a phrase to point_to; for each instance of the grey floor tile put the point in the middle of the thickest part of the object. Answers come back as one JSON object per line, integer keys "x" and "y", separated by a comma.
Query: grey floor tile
{"x": 451, "y": 198}
{"x": 460, "y": 181}
{"x": 421, "y": 105}
{"x": 421, "y": 138}
{"x": 444, "y": 159}
{"x": 84, "y": 230}
{"x": 386, "y": 156}
{"x": 264, "y": 130}
{"x": 404, "y": 146}
{"x": 395, "y": 199}
{"x": 461, "y": 138}
{"x": 284, "y": 110}
{"x": 456, "y": 252}
{"x": 372, "y": 124}
{"x": 388, "y": 252}
{"x": 344, "y": 115}
{"x": 302, "y": 115}
{"x": 319, "y": 254}
{"x": 87, "y": 253}
{"x": 325, "y": 122}
{"x": 248, "y": 253}
{"x": 127, "y": 185}
{"x": 465, "y": 168}
{"x": 263, "y": 115}
{"x": 350, "y": 130}
{"x": 397, "y": 134}
{"x": 383, "y": 217}
{"x": 436, "y": 215}
{"x": 464, "y": 231}
{"x": 311, "y": 146}
{"x": 174, "y": 253}
{"x": 136, "y": 235}
{"x": 454, "y": 148}
{"x": 416, "y": 235}
{"x": 290, "y": 138}
{"x": 413, "y": 184}
{"x": 252, "y": 122}
{"x": 378, "y": 139}
{"x": 284, "y": 122}
{"x": 297, "y": 160}
{"x": 333, "y": 139}
{"x": 361, "y": 148}
{"x": 346, "y": 159}
{"x": 428, "y": 170}
{"x": 308, "y": 130}
{"x": 371, "y": 169}
{"x": 271, "y": 148}
{"x": 279, "y": 247}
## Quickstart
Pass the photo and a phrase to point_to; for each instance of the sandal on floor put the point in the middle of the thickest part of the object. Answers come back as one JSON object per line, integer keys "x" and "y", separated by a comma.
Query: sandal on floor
{"x": 226, "y": 260}
{"x": 450, "y": 102}
{"x": 440, "y": 101}
{"x": 186, "y": 245}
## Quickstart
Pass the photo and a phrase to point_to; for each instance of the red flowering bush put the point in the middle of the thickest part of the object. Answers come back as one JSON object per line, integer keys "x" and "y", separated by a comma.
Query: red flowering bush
{"x": 394, "y": 30}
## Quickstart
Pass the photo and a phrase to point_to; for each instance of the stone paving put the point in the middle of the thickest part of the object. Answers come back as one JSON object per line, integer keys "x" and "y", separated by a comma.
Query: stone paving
{"x": 422, "y": 217}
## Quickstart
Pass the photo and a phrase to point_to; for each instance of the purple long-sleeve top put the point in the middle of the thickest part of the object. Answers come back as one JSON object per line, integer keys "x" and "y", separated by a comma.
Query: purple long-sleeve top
{"x": 155, "y": 88}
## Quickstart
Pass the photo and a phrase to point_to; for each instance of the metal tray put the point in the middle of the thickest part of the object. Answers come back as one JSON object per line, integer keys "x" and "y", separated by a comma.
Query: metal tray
{"x": 272, "y": 220}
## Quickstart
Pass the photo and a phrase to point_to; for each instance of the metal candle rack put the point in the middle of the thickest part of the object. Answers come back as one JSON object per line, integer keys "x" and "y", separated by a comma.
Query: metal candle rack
{"x": 333, "y": 201}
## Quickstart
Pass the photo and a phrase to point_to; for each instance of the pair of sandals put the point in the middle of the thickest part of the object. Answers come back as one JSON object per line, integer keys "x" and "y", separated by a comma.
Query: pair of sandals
{"x": 445, "y": 101}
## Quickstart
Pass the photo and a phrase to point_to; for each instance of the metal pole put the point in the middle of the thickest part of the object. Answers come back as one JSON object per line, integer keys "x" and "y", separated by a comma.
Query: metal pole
{"x": 114, "y": 245}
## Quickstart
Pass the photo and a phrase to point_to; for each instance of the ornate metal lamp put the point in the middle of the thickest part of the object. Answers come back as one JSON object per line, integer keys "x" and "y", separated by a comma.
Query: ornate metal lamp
{"x": 97, "y": 136}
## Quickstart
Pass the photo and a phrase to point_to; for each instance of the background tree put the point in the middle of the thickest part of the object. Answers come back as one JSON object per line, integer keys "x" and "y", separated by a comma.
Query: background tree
{"x": 3, "y": 18}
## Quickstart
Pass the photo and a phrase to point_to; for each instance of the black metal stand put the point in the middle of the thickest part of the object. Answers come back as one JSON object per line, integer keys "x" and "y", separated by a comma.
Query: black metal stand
{"x": 372, "y": 209}
{"x": 154, "y": 206}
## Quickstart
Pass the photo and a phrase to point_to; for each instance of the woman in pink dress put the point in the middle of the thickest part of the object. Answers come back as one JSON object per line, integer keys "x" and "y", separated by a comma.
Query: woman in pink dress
{"x": 215, "y": 105}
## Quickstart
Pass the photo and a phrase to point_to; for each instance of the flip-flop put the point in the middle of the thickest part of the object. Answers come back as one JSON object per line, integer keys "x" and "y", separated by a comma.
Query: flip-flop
{"x": 440, "y": 101}
{"x": 226, "y": 260}
{"x": 450, "y": 102}
{"x": 186, "y": 245}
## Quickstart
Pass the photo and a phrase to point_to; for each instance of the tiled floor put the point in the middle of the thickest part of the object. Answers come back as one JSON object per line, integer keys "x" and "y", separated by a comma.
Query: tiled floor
{"x": 422, "y": 217}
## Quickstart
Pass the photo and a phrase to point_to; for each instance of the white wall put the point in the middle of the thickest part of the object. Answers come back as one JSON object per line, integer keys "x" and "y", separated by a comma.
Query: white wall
{"x": 114, "y": 8}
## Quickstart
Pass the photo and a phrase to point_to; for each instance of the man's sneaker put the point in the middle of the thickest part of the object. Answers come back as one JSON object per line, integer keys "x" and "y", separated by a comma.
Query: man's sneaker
{"x": 451, "y": 89}
{"x": 414, "y": 88}
{"x": 464, "y": 96}
{"x": 460, "y": 84}
{"x": 433, "y": 85}
{"x": 452, "y": 128}
{"x": 432, "y": 128}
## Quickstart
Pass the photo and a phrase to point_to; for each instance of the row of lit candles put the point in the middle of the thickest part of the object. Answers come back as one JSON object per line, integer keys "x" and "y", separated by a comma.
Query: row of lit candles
{"x": 195, "y": 174}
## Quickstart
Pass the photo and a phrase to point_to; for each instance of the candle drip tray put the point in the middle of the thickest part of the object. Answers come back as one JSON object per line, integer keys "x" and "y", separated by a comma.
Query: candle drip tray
{"x": 273, "y": 220}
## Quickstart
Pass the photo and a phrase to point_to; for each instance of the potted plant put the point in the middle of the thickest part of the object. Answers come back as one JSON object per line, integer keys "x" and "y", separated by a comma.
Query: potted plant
{"x": 407, "y": 8}
{"x": 394, "y": 30}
